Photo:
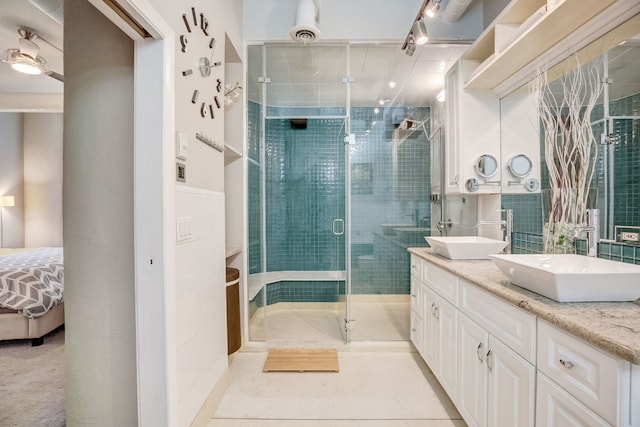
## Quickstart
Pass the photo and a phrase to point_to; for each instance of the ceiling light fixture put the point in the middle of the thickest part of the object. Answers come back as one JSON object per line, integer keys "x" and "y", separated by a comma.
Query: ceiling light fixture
{"x": 432, "y": 9}
{"x": 26, "y": 58}
{"x": 392, "y": 84}
{"x": 419, "y": 31}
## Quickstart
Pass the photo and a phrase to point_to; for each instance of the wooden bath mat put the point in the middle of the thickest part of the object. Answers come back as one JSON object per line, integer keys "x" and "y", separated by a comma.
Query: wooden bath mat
{"x": 301, "y": 360}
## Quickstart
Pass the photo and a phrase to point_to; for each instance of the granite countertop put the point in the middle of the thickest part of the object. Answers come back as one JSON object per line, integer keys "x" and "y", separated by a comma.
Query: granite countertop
{"x": 611, "y": 326}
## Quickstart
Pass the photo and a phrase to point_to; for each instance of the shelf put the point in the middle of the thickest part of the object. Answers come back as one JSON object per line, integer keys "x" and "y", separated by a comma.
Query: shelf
{"x": 548, "y": 30}
{"x": 231, "y": 251}
{"x": 231, "y": 152}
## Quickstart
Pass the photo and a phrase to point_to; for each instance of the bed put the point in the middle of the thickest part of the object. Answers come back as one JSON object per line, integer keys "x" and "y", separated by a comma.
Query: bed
{"x": 31, "y": 293}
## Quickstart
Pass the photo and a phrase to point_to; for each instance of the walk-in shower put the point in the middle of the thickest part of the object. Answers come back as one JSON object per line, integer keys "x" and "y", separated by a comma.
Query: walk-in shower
{"x": 338, "y": 190}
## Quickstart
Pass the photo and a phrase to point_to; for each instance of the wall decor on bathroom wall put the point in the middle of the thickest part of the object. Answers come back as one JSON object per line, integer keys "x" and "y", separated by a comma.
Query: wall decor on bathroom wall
{"x": 570, "y": 148}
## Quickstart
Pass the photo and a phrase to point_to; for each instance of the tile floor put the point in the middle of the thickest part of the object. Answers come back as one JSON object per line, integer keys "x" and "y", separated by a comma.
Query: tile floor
{"x": 380, "y": 383}
{"x": 373, "y": 388}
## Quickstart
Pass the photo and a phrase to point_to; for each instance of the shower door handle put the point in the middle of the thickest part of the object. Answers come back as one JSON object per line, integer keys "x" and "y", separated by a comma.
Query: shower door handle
{"x": 338, "y": 227}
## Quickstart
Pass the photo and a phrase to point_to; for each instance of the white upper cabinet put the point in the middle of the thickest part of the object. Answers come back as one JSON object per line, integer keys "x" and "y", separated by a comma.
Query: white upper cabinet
{"x": 472, "y": 138}
{"x": 520, "y": 143}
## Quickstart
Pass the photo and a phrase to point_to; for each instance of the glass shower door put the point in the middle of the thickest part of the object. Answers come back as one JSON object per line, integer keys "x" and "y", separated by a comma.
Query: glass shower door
{"x": 296, "y": 204}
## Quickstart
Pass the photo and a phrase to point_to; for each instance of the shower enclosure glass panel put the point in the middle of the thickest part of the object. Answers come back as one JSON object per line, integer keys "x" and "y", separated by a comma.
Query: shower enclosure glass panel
{"x": 297, "y": 193}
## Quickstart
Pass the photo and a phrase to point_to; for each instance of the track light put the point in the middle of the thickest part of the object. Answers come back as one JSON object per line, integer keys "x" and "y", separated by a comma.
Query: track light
{"x": 419, "y": 31}
{"x": 432, "y": 9}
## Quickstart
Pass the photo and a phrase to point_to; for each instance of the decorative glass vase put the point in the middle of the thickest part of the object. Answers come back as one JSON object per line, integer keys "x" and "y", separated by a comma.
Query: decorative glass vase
{"x": 559, "y": 238}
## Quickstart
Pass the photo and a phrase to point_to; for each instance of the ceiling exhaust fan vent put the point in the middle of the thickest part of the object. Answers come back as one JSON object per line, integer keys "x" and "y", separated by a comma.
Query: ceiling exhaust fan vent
{"x": 306, "y": 29}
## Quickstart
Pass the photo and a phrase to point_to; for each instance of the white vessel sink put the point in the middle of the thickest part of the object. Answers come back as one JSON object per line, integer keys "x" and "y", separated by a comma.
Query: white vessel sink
{"x": 572, "y": 278}
{"x": 465, "y": 247}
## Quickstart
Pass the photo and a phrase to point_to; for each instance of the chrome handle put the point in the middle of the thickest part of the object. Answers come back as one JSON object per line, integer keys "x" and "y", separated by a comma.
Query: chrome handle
{"x": 437, "y": 313}
{"x": 479, "y": 353}
{"x": 567, "y": 364}
{"x": 489, "y": 361}
{"x": 338, "y": 231}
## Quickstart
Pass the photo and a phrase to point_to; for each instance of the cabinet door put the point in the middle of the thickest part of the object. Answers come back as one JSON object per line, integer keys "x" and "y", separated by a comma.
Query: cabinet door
{"x": 430, "y": 329}
{"x": 447, "y": 316}
{"x": 511, "y": 390}
{"x": 472, "y": 379}
{"x": 557, "y": 408}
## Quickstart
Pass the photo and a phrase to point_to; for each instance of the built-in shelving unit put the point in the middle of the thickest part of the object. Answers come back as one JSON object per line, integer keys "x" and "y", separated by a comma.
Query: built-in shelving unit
{"x": 524, "y": 31}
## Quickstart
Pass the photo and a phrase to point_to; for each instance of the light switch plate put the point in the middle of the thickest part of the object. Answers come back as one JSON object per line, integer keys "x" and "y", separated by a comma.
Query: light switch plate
{"x": 182, "y": 145}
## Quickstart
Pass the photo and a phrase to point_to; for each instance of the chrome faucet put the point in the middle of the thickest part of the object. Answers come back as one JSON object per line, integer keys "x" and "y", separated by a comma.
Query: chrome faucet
{"x": 506, "y": 226}
{"x": 443, "y": 225}
{"x": 593, "y": 231}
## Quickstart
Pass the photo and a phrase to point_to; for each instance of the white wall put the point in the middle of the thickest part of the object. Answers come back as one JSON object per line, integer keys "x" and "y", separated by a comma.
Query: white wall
{"x": 100, "y": 348}
{"x": 43, "y": 179}
{"x": 200, "y": 306}
{"x": 11, "y": 181}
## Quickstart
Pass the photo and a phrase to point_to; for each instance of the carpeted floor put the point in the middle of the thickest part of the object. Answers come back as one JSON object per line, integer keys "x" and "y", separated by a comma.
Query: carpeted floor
{"x": 32, "y": 382}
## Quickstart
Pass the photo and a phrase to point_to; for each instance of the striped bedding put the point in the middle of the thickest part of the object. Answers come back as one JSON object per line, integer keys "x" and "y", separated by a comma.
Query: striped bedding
{"x": 32, "y": 280}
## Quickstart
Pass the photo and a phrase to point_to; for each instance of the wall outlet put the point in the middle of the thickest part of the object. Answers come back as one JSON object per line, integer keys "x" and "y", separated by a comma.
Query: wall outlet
{"x": 628, "y": 236}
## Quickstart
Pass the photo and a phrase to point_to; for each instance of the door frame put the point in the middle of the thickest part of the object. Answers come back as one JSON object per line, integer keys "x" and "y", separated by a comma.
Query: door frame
{"x": 154, "y": 216}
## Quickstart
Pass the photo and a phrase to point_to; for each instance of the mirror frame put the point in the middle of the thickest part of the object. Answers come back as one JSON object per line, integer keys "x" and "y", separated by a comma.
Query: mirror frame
{"x": 513, "y": 170}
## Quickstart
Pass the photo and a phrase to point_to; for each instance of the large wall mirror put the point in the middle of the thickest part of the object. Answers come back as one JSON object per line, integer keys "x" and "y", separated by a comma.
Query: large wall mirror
{"x": 615, "y": 124}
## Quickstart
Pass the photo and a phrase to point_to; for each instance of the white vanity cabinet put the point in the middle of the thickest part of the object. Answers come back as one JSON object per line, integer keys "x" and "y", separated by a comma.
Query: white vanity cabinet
{"x": 496, "y": 386}
{"x": 417, "y": 323}
{"x": 504, "y": 366}
{"x": 579, "y": 383}
{"x": 472, "y": 129}
{"x": 435, "y": 335}
{"x": 441, "y": 320}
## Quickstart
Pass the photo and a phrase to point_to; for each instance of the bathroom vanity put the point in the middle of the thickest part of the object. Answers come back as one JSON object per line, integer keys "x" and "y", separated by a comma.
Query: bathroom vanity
{"x": 510, "y": 357}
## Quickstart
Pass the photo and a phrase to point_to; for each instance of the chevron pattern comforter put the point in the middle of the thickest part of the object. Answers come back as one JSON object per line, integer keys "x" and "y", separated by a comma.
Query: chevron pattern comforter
{"x": 32, "y": 281}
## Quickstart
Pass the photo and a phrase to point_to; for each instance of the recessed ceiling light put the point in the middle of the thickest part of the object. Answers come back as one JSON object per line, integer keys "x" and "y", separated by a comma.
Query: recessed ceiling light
{"x": 392, "y": 84}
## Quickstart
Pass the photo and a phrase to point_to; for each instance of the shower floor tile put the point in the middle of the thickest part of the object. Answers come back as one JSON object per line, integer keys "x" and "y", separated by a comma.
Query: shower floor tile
{"x": 396, "y": 389}
{"x": 376, "y": 318}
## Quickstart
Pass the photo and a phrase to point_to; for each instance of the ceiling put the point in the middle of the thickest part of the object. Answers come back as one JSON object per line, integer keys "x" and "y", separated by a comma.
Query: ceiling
{"x": 301, "y": 75}
{"x": 312, "y": 76}
{"x": 21, "y": 13}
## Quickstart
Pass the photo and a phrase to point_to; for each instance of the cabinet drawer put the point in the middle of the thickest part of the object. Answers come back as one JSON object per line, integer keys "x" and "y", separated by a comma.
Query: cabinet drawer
{"x": 416, "y": 267}
{"x": 556, "y": 407}
{"x": 416, "y": 296}
{"x": 596, "y": 379}
{"x": 441, "y": 281}
{"x": 514, "y": 327}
